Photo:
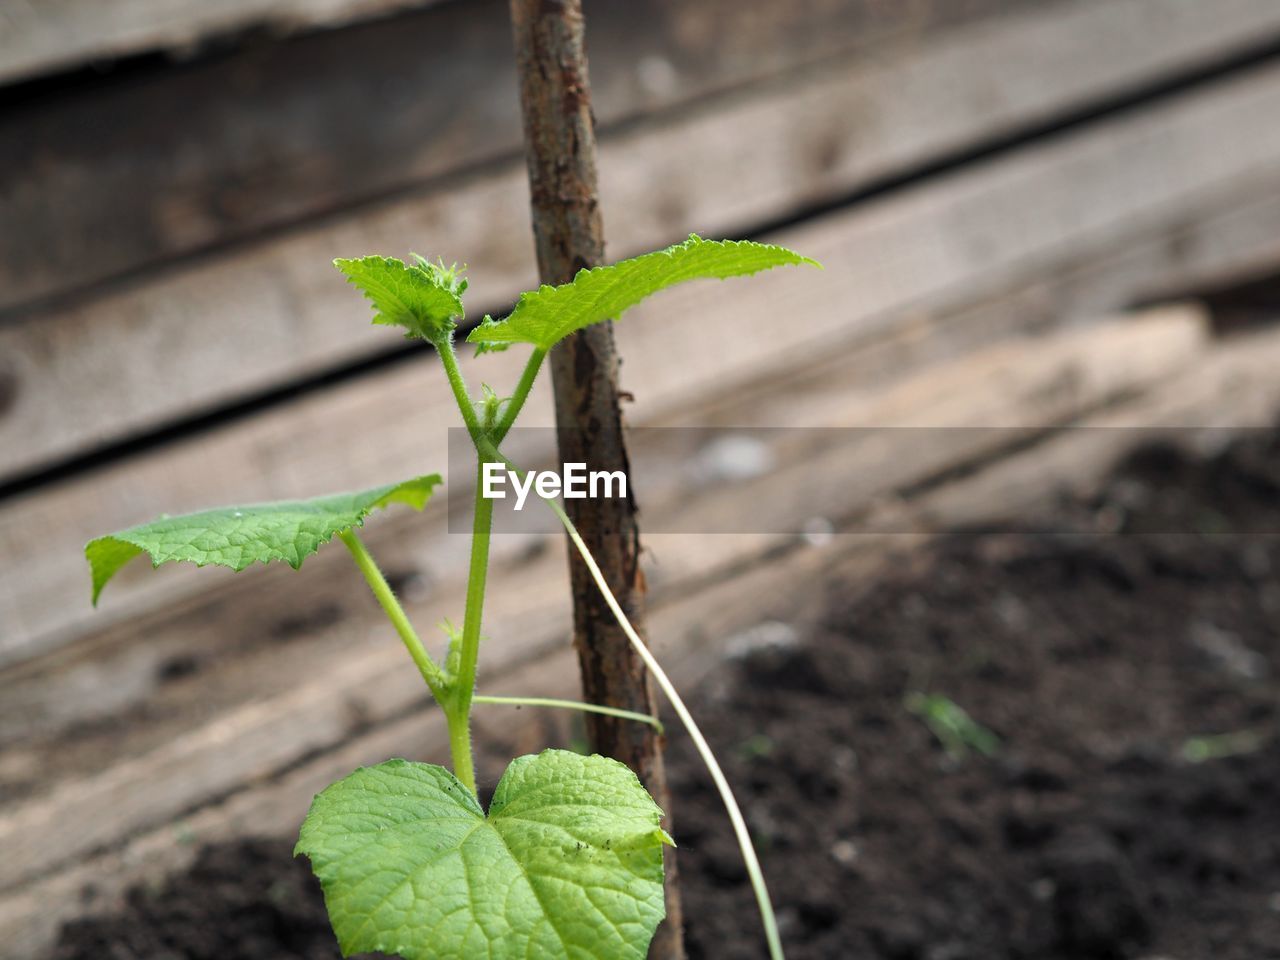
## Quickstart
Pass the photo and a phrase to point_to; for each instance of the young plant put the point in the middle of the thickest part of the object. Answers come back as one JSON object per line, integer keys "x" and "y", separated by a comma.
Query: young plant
{"x": 567, "y": 862}
{"x": 951, "y": 724}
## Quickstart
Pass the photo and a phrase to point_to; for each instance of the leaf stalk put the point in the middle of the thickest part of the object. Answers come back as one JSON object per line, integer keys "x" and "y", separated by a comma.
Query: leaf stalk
{"x": 444, "y": 347}
{"x": 436, "y": 680}
{"x": 516, "y": 403}
{"x": 571, "y": 705}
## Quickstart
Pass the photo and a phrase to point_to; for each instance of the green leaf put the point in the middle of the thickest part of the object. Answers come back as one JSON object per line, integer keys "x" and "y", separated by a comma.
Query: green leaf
{"x": 568, "y": 863}
{"x": 952, "y": 725}
{"x": 424, "y": 298}
{"x": 545, "y": 316}
{"x": 238, "y": 537}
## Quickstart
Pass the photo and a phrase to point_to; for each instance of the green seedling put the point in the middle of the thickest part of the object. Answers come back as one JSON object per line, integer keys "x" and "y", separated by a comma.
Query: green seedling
{"x": 1220, "y": 746}
{"x": 952, "y": 726}
{"x": 567, "y": 862}
{"x": 756, "y": 747}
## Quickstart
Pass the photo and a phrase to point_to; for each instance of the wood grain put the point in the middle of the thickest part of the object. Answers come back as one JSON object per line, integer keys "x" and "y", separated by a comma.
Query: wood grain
{"x": 39, "y": 38}
{"x": 1233, "y": 385}
{"x": 1012, "y": 385}
{"x": 169, "y": 162}
{"x": 1109, "y": 192}
{"x": 273, "y": 311}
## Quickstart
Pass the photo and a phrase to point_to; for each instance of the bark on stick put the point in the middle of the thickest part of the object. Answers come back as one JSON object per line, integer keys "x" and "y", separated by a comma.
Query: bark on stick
{"x": 560, "y": 147}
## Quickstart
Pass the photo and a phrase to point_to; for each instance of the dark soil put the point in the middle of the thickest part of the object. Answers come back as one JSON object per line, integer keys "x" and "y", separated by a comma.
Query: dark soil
{"x": 1089, "y": 833}
{"x": 244, "y": 901}
{"x": 1094, "y": 658}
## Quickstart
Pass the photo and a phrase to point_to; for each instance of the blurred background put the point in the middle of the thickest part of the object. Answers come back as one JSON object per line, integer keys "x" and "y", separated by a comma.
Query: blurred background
{"x": 1034, "y": 214}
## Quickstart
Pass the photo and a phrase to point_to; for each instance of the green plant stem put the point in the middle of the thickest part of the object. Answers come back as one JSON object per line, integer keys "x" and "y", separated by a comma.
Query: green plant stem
{"x": 457, "y": 705}
{"x": 458, "y": 708}
{"x": 462, "y": 692}
{"x": 459, "y": 387}
{"x": 751, "y": 861}
{"x": 395, "y": 613}
{"x": 518, "y": 398}
{"x": 571, "y": 705}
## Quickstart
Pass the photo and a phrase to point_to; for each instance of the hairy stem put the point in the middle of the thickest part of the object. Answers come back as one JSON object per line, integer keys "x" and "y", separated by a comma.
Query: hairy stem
{"x": 571, "y": 705}
{"x": 431, "y": 673}
{"x": 462, "y": 692}
{"x": 517, "y": 400}
{"x": 464, "y": 685}
{"x": 459, "y": 386}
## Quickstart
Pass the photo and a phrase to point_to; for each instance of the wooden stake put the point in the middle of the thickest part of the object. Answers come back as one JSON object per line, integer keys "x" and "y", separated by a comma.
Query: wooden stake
{"x": 560, "y": 146}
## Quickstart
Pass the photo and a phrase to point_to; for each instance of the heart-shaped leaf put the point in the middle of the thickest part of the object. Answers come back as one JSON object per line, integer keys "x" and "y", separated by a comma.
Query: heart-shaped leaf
{"x": 568, "y": 863}
{"x": 547, "y": 315}
{"x": 237, "y": 537}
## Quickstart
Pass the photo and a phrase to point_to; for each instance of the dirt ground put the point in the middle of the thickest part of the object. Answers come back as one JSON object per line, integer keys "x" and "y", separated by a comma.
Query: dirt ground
{"x": 1097, "y": 823}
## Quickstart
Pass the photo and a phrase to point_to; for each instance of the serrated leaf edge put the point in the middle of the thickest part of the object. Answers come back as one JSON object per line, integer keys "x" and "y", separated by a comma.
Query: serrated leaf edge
{"x": 380, "y": 318}
{"x": 121, "y": 537}
{"x": 483, "y": 817}
{"x": 491, "y": 336}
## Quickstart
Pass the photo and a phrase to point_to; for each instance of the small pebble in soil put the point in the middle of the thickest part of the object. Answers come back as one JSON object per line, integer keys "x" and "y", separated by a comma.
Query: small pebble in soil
{"x": 844, "y": 852}
{"x": 1227, "y": 651}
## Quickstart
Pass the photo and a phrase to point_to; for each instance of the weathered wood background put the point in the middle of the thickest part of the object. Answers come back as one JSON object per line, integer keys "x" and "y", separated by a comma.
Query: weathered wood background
{"x": 992, "y": 184}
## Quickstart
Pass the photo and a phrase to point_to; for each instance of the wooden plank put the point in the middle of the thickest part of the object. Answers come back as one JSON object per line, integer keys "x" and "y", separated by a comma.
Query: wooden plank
{"x": 109, "y": 671}
{"x": 1234, "y": 385}
{"x": 128, "y": 660}
{"x": 38, "y": 38}
{"x": 1204, "y": 246}
{"x": 282, "y": 313}
{"x": 1011, "y": 385}
{"x": 180, "y": 160}
{"x": 1088, "y": 199}
{"x": 40, "y": 698}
